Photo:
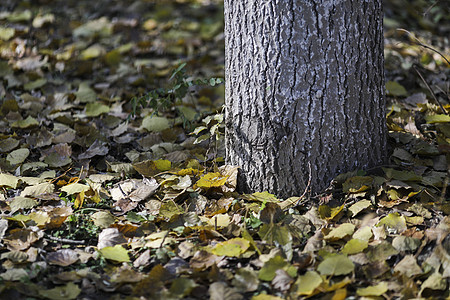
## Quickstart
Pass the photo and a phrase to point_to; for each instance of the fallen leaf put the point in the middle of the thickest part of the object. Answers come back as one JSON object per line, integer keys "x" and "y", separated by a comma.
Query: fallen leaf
{"x": 116, "y": 253}
{"x": 336, "y": 265}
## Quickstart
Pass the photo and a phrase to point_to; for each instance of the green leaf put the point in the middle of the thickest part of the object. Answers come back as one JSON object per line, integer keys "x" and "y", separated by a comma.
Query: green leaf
{"x": 306, "y": 284}
{"x": 85, "y": 94}
{"x": 437, "y": 119}
{"x": 181, "y": 287}
{"x": 376, "y": 290}
{"x": 234, "y": 247}
{"x": 6, "y": 33}
{"x": 394, "y": 223}
{"x": 340, "y": 232}
{"x": 93, "y": 51}
{"x": 65, "y": 292}
{"x": 267, "y": 272}
{"x": 32, "y": 85}
{"x": 402, "y": 175}
{"x": 95, "y": 109}
{"x": 395, "y": 89}
{"x": 116, "y": 253}
{"x": 28, "y": 122}
{"x": 20, "y": 16}
{"x": 381, "y": 252}
{"x": 364, "y": 233}
{"x": 40, "y": 20}
{"x": 354, "y": 246}
{"x": 359, "y": 206}
{"x": 188, "y": 112}
{"x": 330, "y": 213}
{"x": 357, "y": 184}
{"x": 99, "y": 27}
{"x": 55, "y": 160}
{"x": 21, "y": 203}
{"x": 155, "y": 123}
{"x": 336, "y": 265}
{"x": 277, "y": 234}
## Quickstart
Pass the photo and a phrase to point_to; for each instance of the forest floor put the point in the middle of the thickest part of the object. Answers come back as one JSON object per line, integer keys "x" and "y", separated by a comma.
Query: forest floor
{"x": 100, "y": 199}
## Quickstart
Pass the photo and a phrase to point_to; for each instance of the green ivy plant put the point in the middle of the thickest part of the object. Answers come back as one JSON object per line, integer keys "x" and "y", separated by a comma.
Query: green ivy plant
{"x": 163, "y": 99}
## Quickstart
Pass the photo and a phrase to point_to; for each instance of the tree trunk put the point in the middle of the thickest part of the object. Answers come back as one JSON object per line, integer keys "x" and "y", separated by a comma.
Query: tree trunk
{"x": 304, "y": 91}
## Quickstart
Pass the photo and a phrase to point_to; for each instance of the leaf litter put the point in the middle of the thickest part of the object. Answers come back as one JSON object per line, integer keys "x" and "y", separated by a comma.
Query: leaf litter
{"x": 103, "y": 198}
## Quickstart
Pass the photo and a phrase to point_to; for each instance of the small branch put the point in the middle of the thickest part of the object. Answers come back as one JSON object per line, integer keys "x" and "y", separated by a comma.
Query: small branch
{"x": 429, "y": 8}
{"x": 307, "y": 186}
{"x": 65, "y": 241}
{"x": 424, "y": 45}
{"x": 431, "y": 91}
{"x": 446, "y": 94}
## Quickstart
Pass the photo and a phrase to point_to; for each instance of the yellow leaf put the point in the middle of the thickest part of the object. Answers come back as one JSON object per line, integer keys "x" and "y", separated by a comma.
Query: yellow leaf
{"x": 116, "y": 253}
{"x": 189, "y": 171}
{"x": 234, "y": 247}
{"x": 211, "y": 180}
{"x": 162, "y": 165}
{"x": 376, "y": 290}
{"x": 306, "y": 284}
{"x": 79, "y": 200}
{"x": 437, "y": 119}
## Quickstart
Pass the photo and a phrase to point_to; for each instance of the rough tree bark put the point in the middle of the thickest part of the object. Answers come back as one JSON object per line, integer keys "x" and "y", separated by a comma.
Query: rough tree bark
{"x": 304, "y": 86}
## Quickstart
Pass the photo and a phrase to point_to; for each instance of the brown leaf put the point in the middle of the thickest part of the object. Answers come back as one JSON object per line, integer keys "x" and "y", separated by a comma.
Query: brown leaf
{"x": 21, "y": 239}
{"x": 203, "y": 260}
{"x": 63, "y": 257}
{"x": 110, "y": 237}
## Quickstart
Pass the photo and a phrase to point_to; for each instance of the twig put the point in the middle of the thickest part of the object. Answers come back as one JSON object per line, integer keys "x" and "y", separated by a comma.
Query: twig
{"x": 431, "y": 91}
{"x": 65, "y": 241}
{"x": 63, "y": 174}
{"x": 446, "y": 94}
{"x": 429, "y": 8}
{"x": 424, "y": 45}
{"x": 444, "y": 189}
{"x": 307, "y": 186}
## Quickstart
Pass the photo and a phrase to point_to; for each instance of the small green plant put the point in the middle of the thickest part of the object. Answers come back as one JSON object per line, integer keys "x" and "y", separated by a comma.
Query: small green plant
{"x": 78, "y": 226}
{"x": 163, "y": 99}
{"x": 213, "y": 127}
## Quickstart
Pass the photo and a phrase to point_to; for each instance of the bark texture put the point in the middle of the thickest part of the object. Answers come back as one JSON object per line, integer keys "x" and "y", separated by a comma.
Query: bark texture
{"x": 304, "y": 86}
